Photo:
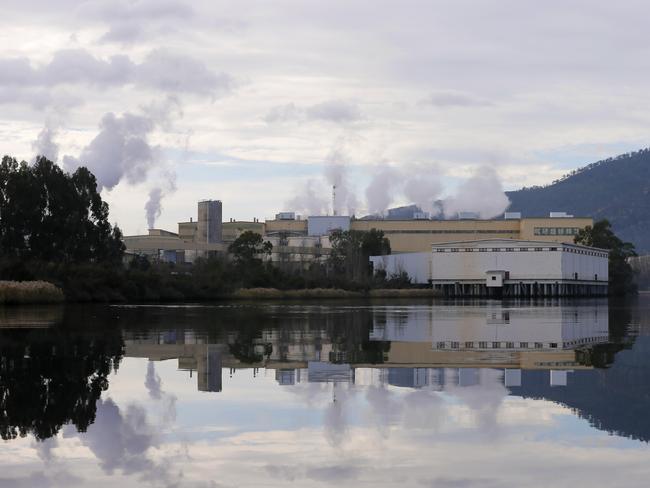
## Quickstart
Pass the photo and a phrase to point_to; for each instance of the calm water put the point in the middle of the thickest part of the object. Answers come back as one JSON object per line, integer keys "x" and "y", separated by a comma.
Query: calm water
{"x": 456, "y": 394}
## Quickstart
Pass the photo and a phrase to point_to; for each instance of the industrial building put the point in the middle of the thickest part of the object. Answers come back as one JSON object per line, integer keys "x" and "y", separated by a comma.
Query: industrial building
{"x": 300, "y": 241}
{"x": 504, "y": 268}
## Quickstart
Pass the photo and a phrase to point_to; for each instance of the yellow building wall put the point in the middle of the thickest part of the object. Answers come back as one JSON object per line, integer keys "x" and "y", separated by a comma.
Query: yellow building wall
{"x": 550, "y": 229}
{"x": 292, "y": 226}
{"x": 232, "y": 230}
{"x": 418, "y": 235}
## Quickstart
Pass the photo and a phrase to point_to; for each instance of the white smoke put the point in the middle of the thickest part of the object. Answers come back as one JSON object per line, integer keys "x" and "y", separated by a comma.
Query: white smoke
{"x": 380, "y": 193}
{"x": 153, "y": 206}
{"x": 422, "y": 186}
{"x": 44, "y": 144}
{"x": 120, "y": 151}
{"x": 336, "y": 175}
{"x": 482, "y": 194}
{"x": 310, "y": 200}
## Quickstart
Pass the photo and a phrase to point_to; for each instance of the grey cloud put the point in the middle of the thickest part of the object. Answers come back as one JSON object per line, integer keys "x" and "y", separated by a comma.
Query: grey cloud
{"x": 283, "y": 113}
{"x": 146, "y": 10}
{"x": 160, "y": 69}
{"x": 337, "y": 111}
{"x": 178, "y": 73}
{"x": 331, "y": 474}
{"x": 454, "y": 99}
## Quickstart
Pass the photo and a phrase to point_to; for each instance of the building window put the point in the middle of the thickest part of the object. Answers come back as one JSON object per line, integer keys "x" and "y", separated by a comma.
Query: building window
{"x": 538, "y": 249}
{"x": 553, "y": 249}
{"x": 494, "y": 278}
{"x": 482, "y": 345}
{"x": 454, "y": 345}
{"x": 510, "y": 345}
{"x": 509, "y": 249}
{"x": 482, "y": 249}
{"x": 469, "y": 345}
{"x": 539, "y": 345}
{"x": 553, "y": 345}
{"x": 523, "y": 345}
{"x": 440, "y": 345}
{"x": 496, "y": 345}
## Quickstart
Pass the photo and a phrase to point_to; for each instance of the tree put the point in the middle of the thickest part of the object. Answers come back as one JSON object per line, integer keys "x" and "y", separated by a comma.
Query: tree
{"x": 621, "y": 275}
{"x": 351, "y": 250}
{"x": 49, "y": 215}
{"x": 248, "y": 248}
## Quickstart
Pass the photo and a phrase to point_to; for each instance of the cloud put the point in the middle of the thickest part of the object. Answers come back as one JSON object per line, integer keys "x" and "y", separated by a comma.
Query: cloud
{"x": 336, "y": 111}
{"x": 161, "y": 70}
{"x": 447, "y": 99}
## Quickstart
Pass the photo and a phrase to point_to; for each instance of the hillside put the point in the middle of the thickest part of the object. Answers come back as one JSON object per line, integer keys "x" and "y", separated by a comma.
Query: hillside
{"x": 616, "y": 188}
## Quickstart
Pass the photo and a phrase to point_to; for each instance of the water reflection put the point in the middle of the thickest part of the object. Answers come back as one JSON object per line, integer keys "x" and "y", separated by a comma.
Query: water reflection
{"x": 241, "y": 375}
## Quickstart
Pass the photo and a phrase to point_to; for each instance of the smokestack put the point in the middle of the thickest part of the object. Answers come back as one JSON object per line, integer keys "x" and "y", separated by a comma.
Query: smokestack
{"x": 333, "y": 199}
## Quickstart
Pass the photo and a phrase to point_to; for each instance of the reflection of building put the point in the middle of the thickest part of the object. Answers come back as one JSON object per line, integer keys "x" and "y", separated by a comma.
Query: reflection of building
{"x": 420, "y": 347}
{"x": 204, "y": 359}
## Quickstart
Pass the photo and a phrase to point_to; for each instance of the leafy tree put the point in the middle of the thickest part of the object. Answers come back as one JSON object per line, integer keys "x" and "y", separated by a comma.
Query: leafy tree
{"x": 248, "y": 248}
{"x": 351, "y": 250}
{"x": 53, "y": 216}
{"x": 621, "y": 275}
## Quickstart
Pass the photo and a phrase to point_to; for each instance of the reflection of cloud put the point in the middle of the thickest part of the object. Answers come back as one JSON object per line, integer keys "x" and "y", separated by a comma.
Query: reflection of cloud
{"x": 43, "y": 479}
{"x": 385, "y": 406}
{"x": 326, "y": 474}
{"x": 152, "y": 382}
{"x": 461, "y": 483}
{"x": 335, "y": 420}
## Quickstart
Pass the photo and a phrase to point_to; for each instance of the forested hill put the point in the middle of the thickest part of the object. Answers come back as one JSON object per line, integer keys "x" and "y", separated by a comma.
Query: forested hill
{"x": 616, "y": 188}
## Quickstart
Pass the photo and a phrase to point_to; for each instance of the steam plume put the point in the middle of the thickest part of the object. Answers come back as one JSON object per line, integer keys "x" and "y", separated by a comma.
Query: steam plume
{"x": 44, "y": 144}
{"x": 336, "y": 175}
{"x": 482, "y": 194}
{"x": 380, "y": 191}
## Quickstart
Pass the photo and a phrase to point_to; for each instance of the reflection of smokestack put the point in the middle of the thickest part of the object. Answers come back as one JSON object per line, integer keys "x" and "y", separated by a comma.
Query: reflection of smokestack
{"x": 209, "y": 222}
{"x": 333, "y": 199}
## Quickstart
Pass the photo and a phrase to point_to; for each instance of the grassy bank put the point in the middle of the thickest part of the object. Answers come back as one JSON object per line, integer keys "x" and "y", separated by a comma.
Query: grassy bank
{"x": 315, "y": 293}
{"x": 28, "y": 292}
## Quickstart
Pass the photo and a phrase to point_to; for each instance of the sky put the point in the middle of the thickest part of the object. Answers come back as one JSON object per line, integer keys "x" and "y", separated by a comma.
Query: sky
{"x": 266, "y": 105}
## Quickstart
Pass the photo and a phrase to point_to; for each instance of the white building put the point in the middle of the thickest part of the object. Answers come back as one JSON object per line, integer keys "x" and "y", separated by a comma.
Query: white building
{"x": 504, "y": 267}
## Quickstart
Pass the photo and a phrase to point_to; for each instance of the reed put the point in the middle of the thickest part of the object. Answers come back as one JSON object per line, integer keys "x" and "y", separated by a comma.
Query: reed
{"x": 28, "y": 292}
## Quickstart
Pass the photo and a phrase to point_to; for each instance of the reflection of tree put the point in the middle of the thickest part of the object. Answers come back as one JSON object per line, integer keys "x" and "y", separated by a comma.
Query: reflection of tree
{"x": 51, "y": 377}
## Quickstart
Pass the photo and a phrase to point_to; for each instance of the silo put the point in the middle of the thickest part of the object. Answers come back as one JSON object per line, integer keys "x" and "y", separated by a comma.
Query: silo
{"x": 209, "y": 221}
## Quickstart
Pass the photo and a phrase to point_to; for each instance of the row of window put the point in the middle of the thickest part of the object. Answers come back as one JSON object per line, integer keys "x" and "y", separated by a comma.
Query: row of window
{"x": 494, "y": 249}
{"x": 556, "y": 231}
{"x": 453, "y": 231}
{"x": 493, "y": 345}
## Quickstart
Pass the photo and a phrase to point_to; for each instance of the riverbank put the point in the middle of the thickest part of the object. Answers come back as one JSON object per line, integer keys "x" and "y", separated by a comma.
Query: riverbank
{"x": 29, "y": 292}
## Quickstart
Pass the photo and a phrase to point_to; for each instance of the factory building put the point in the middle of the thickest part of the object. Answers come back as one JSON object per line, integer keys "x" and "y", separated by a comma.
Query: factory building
{"x": 504, "y": 268}
{"x": 300, "y": 241}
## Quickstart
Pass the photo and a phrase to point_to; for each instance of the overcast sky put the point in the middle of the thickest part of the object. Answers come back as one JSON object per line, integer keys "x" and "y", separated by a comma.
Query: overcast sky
{"x": 265, "y": 104}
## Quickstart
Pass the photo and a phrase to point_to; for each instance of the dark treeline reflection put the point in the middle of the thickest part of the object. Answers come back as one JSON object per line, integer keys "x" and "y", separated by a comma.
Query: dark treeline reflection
{"x": 53, "y": 372}
{"x": 54, "y": 375}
